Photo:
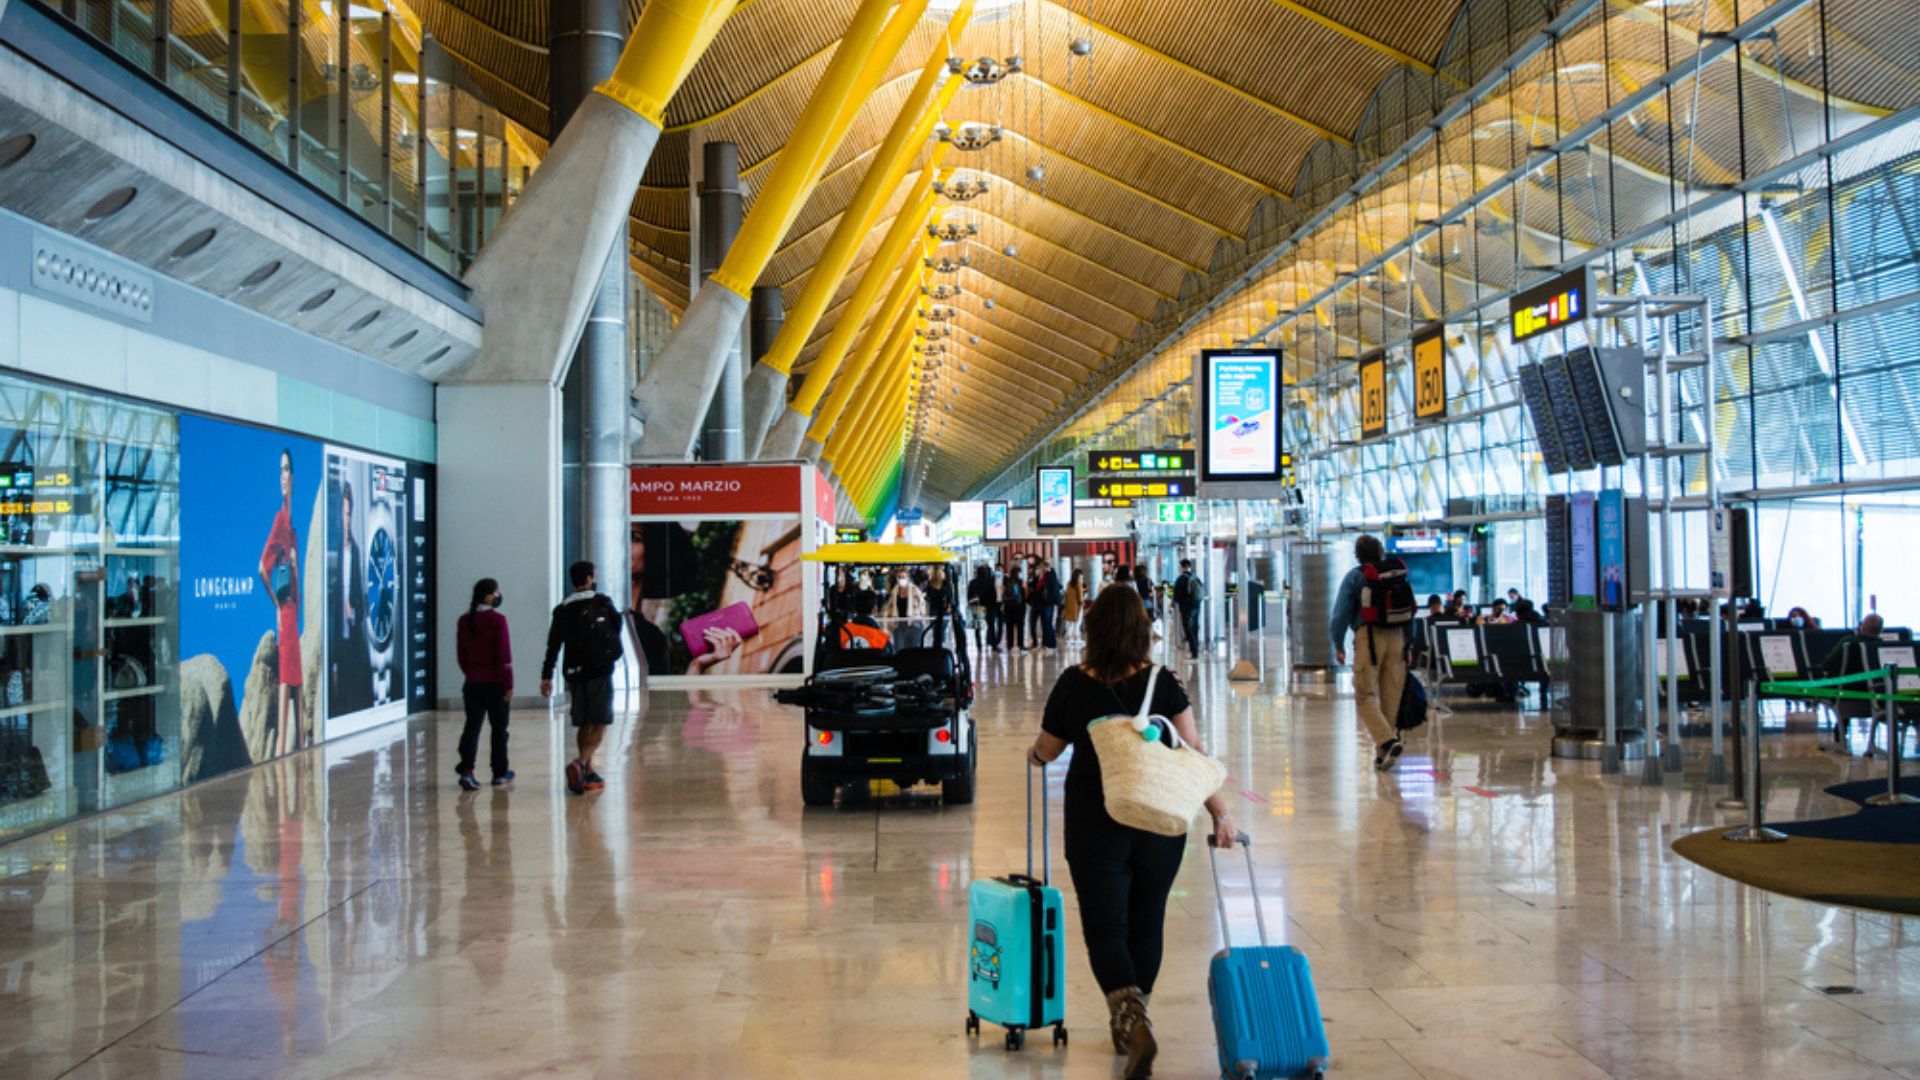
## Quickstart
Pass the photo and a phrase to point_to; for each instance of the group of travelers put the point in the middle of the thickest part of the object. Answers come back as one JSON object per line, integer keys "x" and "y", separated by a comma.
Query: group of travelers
{"x": 1511, "y": 608}
{"x": 1024, "y": 604}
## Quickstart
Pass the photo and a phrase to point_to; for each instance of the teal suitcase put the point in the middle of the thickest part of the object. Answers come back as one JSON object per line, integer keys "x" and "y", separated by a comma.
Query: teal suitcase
{"x": 1016, "y": 955}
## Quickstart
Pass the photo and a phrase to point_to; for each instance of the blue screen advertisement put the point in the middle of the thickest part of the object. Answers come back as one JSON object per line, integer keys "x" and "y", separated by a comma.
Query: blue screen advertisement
{"x": 1610, "y": 525}
{"x": 996, "y": 521}
{"x": 1056, "y": 498}
{"x": 252, "y": 568}
{"x": 1242, "y": 419}
{"x": 1582, "y": 561}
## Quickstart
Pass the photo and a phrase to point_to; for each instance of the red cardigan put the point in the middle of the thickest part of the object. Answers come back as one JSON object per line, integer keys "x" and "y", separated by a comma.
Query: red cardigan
{"x": 484, "y": 648}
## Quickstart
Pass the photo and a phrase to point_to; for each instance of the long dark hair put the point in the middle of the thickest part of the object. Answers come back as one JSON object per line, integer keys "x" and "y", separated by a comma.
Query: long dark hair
{"x": 1119, "y": 637}
{"x": 482, "y": 589}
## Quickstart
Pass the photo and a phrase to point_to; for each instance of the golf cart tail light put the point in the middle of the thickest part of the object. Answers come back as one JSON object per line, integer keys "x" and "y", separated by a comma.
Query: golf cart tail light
{"x": 826, "y": 738}
{"x": 944, "y": 735}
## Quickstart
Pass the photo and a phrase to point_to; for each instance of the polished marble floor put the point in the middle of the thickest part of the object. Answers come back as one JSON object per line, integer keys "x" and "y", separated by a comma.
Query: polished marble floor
{"x": 1485, "y": 912}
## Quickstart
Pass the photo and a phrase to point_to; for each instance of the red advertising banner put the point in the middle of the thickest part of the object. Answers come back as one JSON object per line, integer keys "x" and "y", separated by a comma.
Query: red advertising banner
{"x": 713, "y": 491}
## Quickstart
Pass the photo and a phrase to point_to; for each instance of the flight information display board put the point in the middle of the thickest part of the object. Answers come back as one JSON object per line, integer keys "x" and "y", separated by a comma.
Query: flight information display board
{"x": 1533, "y": 390}
{"x": 1596, "y": 407}
{"x": 1569, "y": 415}
{"x": 1559, "y": 571}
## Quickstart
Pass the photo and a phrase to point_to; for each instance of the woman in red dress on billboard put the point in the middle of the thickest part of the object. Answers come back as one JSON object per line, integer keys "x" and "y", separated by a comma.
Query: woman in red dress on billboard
{"x": 282, "y": 554}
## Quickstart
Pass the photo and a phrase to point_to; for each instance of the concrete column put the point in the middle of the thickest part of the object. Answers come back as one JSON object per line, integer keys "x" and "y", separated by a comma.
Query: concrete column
{"x": 587, "y": 38}
{"x": 721, "y": 438}
{"x": 765, "y": 388}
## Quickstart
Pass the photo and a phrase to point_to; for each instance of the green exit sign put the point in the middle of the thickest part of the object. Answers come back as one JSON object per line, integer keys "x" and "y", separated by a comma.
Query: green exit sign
{"x": 1175, "y": 513}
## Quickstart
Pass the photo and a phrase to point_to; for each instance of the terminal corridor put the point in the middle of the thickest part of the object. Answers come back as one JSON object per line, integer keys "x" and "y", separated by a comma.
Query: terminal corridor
{"x": 1485, "y": 911}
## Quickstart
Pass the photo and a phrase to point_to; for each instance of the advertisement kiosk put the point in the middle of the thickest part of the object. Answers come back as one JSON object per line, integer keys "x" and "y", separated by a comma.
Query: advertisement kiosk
{"x": 1238, "y": 432}
{"x": 717, "y": 592}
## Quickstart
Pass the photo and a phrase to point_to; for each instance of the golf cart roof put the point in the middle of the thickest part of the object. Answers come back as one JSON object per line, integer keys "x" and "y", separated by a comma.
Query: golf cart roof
{"x": 868, "y": 553}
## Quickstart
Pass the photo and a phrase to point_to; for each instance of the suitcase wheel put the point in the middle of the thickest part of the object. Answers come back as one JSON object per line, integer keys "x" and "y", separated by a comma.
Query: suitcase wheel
{"x": 1059, "y": 1034}
{"x": 973, "y": 1023}
{"x": 1016, "y": 1038}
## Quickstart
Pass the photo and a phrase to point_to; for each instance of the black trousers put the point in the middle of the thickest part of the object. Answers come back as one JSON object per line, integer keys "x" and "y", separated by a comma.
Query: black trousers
{"x": 991, "y": 615}
{"x": 1049, "y": 618}
{"x": 486, "y": 702}
{"x": 1122, "y": 877}
{"x": 1190, "y": 624}
{"x": 1016, "y": 627}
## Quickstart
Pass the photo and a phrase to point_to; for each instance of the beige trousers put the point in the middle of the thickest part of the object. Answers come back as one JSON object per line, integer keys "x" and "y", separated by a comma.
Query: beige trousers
{"x": 1379, "y": 675}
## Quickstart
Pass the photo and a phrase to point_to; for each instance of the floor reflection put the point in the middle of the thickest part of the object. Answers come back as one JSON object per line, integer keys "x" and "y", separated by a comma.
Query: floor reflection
{"x": 1483, "y": 910}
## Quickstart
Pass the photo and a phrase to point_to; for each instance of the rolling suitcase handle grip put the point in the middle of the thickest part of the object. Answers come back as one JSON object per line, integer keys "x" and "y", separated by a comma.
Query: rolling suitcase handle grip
{"x": 1253, "y": 886}
{"x": 1046, "y": 835}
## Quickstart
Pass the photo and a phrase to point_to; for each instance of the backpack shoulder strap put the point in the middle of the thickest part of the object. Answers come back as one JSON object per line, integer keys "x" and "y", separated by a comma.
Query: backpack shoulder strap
{"x": 1146, "y": 703}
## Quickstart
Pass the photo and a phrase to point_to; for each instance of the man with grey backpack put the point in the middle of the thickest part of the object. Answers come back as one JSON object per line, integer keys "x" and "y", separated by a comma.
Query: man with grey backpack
{"x": 1375, "y": 602}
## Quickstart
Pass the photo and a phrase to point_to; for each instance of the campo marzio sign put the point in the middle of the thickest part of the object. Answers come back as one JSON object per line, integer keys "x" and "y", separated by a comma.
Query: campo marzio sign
{"x": 715, "y": 490}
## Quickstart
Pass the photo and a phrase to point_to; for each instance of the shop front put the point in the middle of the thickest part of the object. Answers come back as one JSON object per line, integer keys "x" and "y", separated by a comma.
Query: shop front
{"x": 182, "y": 596}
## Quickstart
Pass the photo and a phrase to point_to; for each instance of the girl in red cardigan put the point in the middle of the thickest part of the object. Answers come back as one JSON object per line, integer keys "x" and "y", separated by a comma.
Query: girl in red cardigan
{"x": 485, "y": 651}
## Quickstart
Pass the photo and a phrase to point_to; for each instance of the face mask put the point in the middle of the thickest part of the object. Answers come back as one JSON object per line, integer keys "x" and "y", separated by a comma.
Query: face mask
{"x": 1798, "y": 621}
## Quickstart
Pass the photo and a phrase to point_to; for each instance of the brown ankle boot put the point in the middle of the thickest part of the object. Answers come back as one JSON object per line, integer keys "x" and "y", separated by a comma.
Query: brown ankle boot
{"x": 1132, "y": 1031}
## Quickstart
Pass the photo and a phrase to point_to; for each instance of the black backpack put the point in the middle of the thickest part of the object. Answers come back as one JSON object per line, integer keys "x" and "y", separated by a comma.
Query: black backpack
{"x": 595, "y": 647}
{"x": 1386, "y": 596}
{"x": 1413, "y": 705}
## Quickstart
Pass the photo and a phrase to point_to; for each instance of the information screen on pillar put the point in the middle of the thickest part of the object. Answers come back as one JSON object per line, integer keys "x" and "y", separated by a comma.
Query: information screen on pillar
{"x": 1054, "y": 486}
{"x": 995, "y": 521}
{"x": 1239, "y": 429}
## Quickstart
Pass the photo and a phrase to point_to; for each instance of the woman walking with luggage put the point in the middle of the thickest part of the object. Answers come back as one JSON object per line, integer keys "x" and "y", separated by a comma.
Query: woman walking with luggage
{"x": 1121, "y": 874}
{"x": 485, "y": 652}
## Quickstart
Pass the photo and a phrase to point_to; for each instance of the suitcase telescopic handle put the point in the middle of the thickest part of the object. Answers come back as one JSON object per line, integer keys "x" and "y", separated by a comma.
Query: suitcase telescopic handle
{"x": 1046, "y": 834}
{"x": 1253, "y": 887}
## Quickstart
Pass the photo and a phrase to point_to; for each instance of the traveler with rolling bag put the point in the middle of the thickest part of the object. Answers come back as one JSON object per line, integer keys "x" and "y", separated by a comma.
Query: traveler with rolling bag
{"x": 1016, "y": 962}
{"x": 1266, "y": 1016}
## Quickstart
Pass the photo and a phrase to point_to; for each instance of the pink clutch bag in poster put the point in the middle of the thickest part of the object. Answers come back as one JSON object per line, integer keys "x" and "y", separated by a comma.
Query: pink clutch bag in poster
{"x": 735, "y": 617}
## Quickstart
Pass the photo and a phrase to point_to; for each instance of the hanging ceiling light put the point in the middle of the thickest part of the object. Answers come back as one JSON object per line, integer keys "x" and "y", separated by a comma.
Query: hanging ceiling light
{"x": 962, "y": 188}
{"x": 1080, "y": 46}
{"x": 939, "y": 314}
{"x": 946, "y": 264}
{"x": 948, "y": 232}
{"x": 984, "y": 71}
{"x": 1011, "y": 251}
{"x": 970, "y": 136}
{"x": 941, "y": 292}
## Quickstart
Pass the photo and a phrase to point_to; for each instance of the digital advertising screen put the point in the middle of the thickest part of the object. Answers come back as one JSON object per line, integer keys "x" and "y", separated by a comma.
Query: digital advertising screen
{"x": 1239, "y": 423}
{"x": 377, "y": 567}
{"x": 1054, "y": 488}
{"x": 1582, "y": 551}
{"x": 1610, "y": 530}
{"x": 966, "y": 520}
{"x": 995, "y": 521}
{"x": 253, "y": 524}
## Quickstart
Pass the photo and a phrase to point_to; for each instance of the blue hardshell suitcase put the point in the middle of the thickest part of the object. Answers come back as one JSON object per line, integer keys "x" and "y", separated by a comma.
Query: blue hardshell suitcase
{"x": 1266, "y": 1017}
{"x": 1016, "y": 955}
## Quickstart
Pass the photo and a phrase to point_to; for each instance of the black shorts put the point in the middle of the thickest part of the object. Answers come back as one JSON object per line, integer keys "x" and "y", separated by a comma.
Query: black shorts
{"x": 591, "y": 700}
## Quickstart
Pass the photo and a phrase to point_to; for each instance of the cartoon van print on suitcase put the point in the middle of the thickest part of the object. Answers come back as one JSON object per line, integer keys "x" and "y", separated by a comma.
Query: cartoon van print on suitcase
{"x": 986, "y": 954}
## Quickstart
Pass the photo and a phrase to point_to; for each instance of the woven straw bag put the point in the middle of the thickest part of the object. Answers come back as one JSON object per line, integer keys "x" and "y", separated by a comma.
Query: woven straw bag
{"x": 1149, "y": 784}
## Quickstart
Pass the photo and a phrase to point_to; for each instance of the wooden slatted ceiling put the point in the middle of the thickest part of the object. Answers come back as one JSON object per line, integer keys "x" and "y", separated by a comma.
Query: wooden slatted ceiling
{"x": 1164, "y": 141}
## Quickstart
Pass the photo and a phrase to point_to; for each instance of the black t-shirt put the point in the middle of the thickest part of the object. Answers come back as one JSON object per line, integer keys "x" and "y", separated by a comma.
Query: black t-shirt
{"x": 1078, "y": 699}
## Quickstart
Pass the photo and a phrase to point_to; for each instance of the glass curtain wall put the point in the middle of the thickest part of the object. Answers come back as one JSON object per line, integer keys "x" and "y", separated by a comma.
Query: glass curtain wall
{"x": 1763, "y": 155}
{"x": 366, "y": 107}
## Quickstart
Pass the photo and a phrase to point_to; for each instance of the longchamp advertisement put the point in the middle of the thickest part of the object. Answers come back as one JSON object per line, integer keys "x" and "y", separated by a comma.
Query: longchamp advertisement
{"x": 305, "y": 576}
{"x": 252, "y": 567}
{"x": 717, "y": 585}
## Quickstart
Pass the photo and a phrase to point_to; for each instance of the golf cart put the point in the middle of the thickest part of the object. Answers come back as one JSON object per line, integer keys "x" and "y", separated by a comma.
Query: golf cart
{"x": 884, "y": 701}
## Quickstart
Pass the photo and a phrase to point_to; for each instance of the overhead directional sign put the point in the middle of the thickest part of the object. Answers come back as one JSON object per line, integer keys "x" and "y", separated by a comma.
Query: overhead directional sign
{"x": 1550, "y": 305}
{"x": 909, "y": 515}
{"x": 1140, "y": 487}
{"x": 1175, "y": 513}
{"x": 1373, "y": 395}
{"x": 1102, "y": 461}
{"x": 1430, "y": 375}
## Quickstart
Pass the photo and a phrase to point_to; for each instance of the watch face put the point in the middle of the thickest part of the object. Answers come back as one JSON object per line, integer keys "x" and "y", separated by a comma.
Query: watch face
{"x": 383, "y": 587}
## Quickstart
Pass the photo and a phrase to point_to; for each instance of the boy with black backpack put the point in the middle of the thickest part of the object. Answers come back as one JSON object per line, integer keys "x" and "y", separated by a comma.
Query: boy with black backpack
{"x": 1376, "y": 603}
{"x": 587, "y": 625}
